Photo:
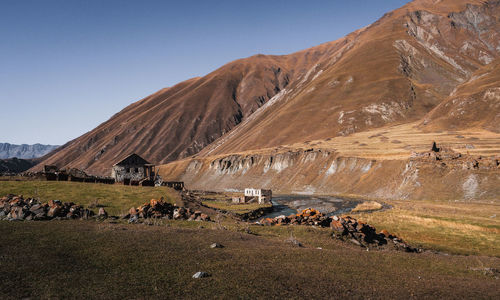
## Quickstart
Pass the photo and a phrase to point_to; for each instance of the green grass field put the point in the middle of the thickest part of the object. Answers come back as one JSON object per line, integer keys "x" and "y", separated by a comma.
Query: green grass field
{"x": 116, "y": 198}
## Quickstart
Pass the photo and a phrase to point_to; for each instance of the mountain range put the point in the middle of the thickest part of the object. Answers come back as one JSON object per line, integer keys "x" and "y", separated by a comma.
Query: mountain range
{"x": 346, "y": 117}
{"x": 24, "y": 151}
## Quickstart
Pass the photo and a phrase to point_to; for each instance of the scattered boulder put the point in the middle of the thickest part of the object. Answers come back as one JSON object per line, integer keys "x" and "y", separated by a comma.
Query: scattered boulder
{"x": 294, "y": 242}
{"x": 102, "y": 213}
{"x": 200, "y": 274}
{"x": 216, "y": 245}
{"x": 488, "y": 272}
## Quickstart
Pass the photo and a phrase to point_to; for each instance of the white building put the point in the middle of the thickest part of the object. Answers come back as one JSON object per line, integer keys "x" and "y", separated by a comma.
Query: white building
{"x": 262, "y": 196}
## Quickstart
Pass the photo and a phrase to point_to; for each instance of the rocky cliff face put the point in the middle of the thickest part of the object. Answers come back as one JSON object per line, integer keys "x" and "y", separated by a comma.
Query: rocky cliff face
{"x": 426, "y": 175}
{"x": 24, "y": 151}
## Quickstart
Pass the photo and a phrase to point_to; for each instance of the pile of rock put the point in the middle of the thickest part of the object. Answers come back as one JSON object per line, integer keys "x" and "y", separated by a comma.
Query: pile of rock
{"x": 308, "y": 216}
{"x": 161, "y": 209}
{"x": 344, "y": 228}
{"x": 17, "y": 208}
{"x": 362, "y": 234}
{"x": 14, "y": 207}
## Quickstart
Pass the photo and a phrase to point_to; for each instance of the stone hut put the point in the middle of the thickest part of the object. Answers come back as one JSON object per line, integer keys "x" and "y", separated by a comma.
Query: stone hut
{"x": 132, "y": 170}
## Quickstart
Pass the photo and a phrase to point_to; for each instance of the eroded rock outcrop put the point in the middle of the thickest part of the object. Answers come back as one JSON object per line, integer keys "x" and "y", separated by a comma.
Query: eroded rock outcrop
{"x": 320, "y": 171}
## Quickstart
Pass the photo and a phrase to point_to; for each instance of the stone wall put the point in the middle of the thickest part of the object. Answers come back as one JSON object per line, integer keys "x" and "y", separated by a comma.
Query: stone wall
{"x": 134, "y": 173}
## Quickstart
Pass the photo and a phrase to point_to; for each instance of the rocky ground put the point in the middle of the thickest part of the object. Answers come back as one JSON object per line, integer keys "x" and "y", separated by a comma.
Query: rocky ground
{"x": 345, "y": 228}
{"x": 446, "y": 157}
{"x": 17, "y": 208}
{"x": 159, "y": 209}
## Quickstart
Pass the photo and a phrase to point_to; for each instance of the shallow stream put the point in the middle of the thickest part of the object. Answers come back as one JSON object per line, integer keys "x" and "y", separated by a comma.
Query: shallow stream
{"x": 328, "y": 205}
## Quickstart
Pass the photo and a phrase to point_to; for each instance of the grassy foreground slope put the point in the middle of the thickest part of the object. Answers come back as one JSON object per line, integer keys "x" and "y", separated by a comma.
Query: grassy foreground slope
{"x": 88, "y": 259}
{"x": 112, "y": 259}
{"x": 116, "y": 198}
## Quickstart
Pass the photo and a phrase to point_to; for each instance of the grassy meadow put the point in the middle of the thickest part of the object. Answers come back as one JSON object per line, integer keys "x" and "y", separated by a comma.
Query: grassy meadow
{"x": 110, "y": 259}
{"x": 468, "y": 228}
{"x": 115, "y": 198}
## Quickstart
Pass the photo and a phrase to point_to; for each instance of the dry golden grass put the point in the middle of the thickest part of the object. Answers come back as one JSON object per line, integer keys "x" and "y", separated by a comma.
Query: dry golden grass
{"x": 378, "y": 145}
{"x": 367, "y": 206}
{"x": 454, "y": 227}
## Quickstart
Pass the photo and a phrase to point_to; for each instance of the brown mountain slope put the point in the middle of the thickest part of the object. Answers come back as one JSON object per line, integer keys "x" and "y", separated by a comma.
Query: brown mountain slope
{"x": 475, "y": 104}
{"x": 317, "y": 136}
{"x": 395, "y": 71}
{"x": 180, "y": 121}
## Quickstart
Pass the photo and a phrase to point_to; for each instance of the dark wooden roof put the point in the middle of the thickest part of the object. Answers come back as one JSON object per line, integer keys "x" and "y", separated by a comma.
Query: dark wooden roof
{"x": 132, "y": 160}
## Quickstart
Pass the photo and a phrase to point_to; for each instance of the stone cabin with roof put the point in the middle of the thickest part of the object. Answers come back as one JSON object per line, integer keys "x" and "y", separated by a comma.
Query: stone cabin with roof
{"x": 133, "y": 168}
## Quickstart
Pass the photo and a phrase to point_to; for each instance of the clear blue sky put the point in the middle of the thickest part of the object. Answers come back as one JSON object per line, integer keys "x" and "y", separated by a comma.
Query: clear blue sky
{"x": 66, "y": 66}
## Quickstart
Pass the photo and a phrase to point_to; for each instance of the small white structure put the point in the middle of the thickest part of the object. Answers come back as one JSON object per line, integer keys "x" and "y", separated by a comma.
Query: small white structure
{"x": 238, "y": 199}
{"x": 262, "y": 196}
